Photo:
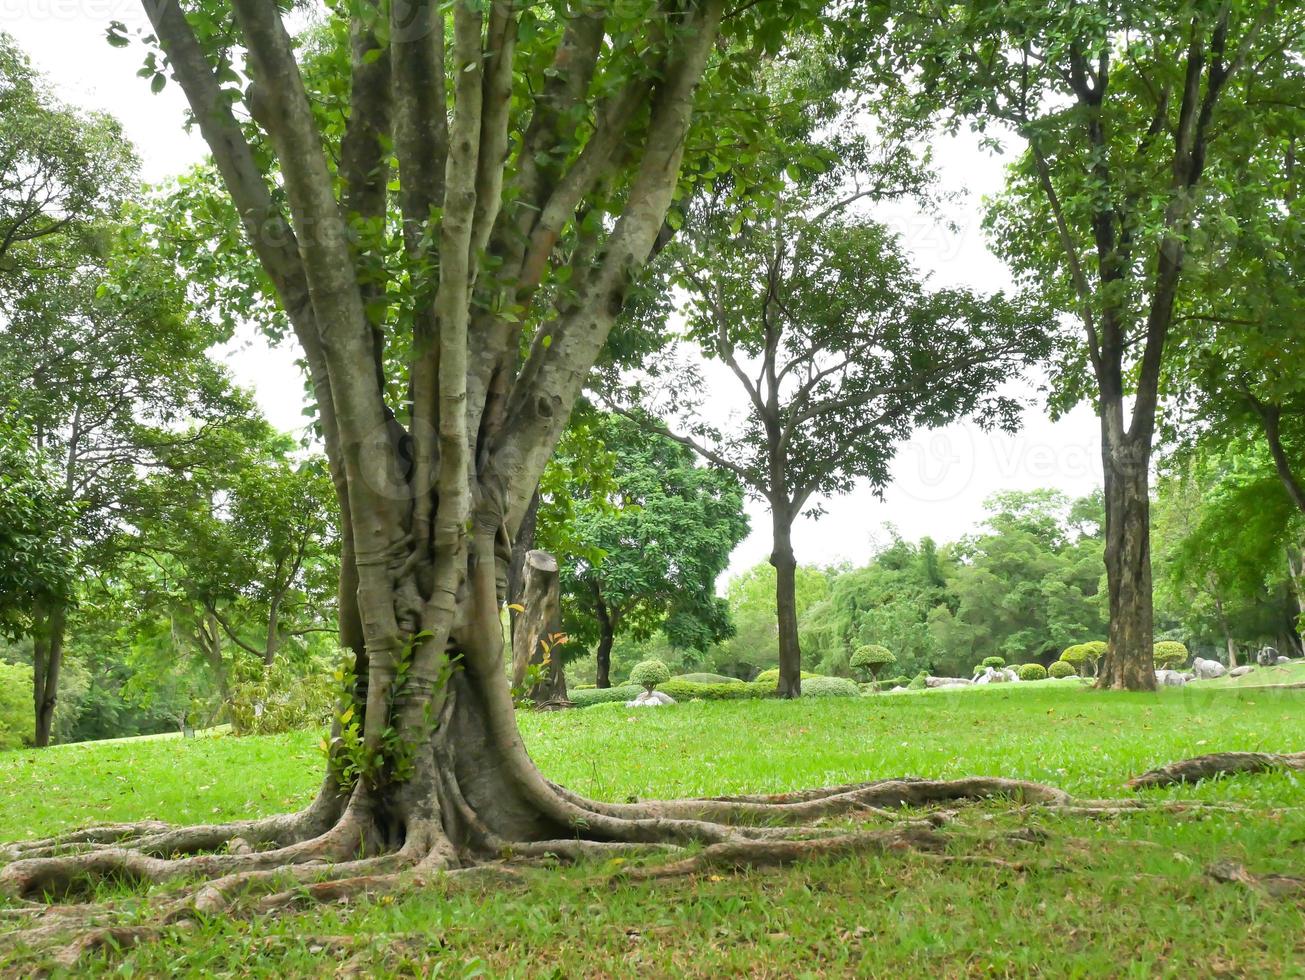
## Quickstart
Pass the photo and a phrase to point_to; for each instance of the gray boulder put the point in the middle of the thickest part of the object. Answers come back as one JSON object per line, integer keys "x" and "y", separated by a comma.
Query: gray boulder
{"x": 991, "y": 675}
{"x": 1207, "y": 670}
{"x": 1283, "y": 660}
{"x": 650, "y": 699}
{"x": 1241, "y": 671}
{"x": 946, "y": 682}
{"x": 1267, "y": 657}
{"x": 1171, "y": 678}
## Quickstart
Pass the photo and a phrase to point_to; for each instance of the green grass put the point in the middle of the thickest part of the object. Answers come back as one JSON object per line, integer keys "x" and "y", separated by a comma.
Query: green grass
{"x": 1292, "y": 673}
{"x": 1122, "y": 897}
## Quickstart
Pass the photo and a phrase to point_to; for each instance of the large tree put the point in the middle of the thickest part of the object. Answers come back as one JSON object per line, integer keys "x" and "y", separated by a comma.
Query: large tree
{"x": 1125, "y": 109}
{"x": 839, "y": 352}
{"x": 661, "y": 544}
{"x": 536, "y": 200}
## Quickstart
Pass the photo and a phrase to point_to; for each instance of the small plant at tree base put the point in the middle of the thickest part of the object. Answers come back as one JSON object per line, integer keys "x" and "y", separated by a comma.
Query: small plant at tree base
{"x": 1169, "y": 655}
{"x": 1061, "y": 669}
{"x": 649, "y": 673}
{"x": 1032, "y": 672}
{"x": 872, "y": 659}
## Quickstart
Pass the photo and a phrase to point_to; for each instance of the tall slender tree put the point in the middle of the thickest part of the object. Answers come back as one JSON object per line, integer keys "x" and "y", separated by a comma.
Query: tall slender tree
{"x": 1123, "y": 107}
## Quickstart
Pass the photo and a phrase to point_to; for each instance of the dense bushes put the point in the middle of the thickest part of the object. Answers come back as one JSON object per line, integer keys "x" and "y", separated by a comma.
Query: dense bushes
{"x": 649, "y": 673}
{"x": 772, "y": 676}
{"x": 919, "y": 682}
{"x": 682, "y": 690}
{"x": 283, "y": 701}
{"x": 1032, "y": 672}
{"x": 16, "y": 720}
{"x": 707, "y": 679}
{"x": 1169, "y": 654}
{"x": 584, "y": 697}
{"x": 829, "y": 687}
{"x": 1061, "y": 669}
{"x": 996, "y": 663}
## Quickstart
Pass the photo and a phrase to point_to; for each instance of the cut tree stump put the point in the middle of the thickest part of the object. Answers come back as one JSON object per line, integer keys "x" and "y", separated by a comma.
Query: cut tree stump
{"x": 537, "y": 636}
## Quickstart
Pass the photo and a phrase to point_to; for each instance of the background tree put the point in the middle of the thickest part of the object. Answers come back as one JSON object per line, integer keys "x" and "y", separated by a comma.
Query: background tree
{"x": 1126, "y": 109}
{"x": 661, "y": 547}
{"x": 840, "y": 352}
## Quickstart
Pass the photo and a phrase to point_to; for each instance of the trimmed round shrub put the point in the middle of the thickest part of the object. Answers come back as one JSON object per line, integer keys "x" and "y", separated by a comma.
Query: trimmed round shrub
{"x": 649, "y": 673}
{"x": 705, "y": 678}
{"x": 830, "y": 687}
{"x": 1061, "y": 669}
{"x": 1032, "y": 672}
{"x": 1084, "y": 656}
{"x": 586, "y": 697}
{"x": 996, "y": 663}
{"x": 871, "y": 659}
{"x": 772, "y": 676}
{"x": 1169, "y": 654}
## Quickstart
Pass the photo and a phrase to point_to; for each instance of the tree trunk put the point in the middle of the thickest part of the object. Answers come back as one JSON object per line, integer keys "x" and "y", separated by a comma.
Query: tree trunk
{"x": 1227, "y": 634}
{"x": 1129, "y": 662}
{"x": 790, "y": 652}
{"x": 521, "y": 545}
{"x": 606, "y": 636}
{"x": 537, "y": 640}
{"x": 47, "y": 658}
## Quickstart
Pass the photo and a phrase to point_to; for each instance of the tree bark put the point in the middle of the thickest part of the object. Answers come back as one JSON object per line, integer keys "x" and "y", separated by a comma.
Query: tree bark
{"x": 606, "y": 637}
{"x": 790, "y": 651}
{"x": 1129, "y": 662}
{"x": 1227, "y": 633}
{"x": 538, "y": 635}
{"x": 47, "y": 657}
{"x": 521, "y": 545}
{"x": 1271, "y": 418}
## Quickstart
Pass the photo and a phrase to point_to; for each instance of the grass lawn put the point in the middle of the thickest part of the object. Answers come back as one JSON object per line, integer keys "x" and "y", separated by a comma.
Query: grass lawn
{"x": 1126, "y": 896}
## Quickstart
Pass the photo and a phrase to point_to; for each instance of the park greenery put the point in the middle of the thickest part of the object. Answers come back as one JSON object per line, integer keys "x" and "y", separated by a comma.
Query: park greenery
{"x": 572, "y": 284}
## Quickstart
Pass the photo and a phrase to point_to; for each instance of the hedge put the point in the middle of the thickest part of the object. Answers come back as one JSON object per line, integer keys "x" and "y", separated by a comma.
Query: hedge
{"x": 772, "y": 676}
{"x": 601, "y": 695}
{"x": 707, "y": 679}
{"x": 682, "y": 690}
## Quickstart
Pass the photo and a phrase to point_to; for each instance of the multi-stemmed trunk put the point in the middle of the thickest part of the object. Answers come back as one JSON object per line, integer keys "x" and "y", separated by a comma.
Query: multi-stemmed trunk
{"x": 606, "y": 637}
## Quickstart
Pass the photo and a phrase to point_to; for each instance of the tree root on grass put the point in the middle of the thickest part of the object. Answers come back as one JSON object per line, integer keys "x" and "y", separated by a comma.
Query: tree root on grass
{"x": 304, "y": 864}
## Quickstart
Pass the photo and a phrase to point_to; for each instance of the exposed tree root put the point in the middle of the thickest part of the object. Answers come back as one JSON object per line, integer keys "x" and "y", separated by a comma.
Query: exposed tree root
{"x": 1217, "y": 764}
{"x": 1277, "y": 886}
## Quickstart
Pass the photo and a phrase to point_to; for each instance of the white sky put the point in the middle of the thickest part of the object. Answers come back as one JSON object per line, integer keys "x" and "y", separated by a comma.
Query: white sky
{"x": 940, "y": 478}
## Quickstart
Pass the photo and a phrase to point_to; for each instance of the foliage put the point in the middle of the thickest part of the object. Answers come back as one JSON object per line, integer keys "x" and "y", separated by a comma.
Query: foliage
{"x": 751, "y": 601}
{"x": 36, "y": 519}
{"x": 649, "y": 673}
{"x": 871, "y": 659}
{"x": 772, "y": 675}
{"x": 584, "y": 697}
{"x": 702, "y": 678}
{"x": 1032, "y": 672}
{"x": 1083, "y": 657}
{"x": 1170, "y": 654}
{"x": 919, "y": 682}
{"x": 654, "y": 540}
{"x": 15, "y": 705}
{"x": 283, "y": 700}
{"x": 830, "y": 687}
{"x": 996, "y": 663}
{"x": 736, "y": 691}
{"x": 1060, "y": 669}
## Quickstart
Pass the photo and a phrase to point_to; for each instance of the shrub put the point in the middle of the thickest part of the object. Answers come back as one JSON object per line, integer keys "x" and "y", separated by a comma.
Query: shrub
{"x": 704, "y": 678}
{"x": 1032, "y": 672}
{"x": 649, "y": 673}
{"x": 996, "y": 663}
{"x": 919, "y": 682}
{"x": 1084, "y": 655}
{"x": 872, "y": 659}
{"x": 772, "y": 676}
{"x": 682, "y": 690}
{"x": 885, "y": 684}
{"x": 1061, "y": 669}
{"x": 830, "y": 687}
{"x": 1169, "y": 655}
{"x": 16, "y": 717}
{"x": 583, "y": 698}
{"x": 282, "y": 700}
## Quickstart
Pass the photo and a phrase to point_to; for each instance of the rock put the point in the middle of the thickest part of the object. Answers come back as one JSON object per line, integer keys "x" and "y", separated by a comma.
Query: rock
{"x": 1169, "y": 678}
{"x": 1208, "y": 670}
{"x": 650, "y": 699}
{"x": 1241, "y": 671}
{"x": 1268, "y": 657}
{"x": 946, "y": 681}
{"x": 993, "y": 676}
{"x": 1283, "y": 660}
